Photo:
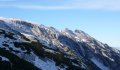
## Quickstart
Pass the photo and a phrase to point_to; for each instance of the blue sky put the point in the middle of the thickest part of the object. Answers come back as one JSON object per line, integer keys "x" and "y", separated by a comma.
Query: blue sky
{"x": 99, "y": 18}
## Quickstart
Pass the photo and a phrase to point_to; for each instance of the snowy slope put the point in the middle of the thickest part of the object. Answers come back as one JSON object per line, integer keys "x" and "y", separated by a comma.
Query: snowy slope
{"x": 74, "y": 45}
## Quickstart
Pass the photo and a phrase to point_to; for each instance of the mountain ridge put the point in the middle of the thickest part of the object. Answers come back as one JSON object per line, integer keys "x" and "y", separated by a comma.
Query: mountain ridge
{"x": 72, "y": 45}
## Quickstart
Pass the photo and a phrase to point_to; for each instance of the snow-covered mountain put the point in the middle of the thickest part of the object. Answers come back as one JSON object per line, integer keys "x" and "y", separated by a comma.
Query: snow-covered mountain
{"x": 29, "y": 46}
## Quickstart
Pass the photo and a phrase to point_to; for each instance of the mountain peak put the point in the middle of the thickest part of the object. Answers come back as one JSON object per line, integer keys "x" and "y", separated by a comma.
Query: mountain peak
{"x": 47, "y": 46}
{"x": 3, "y": 18}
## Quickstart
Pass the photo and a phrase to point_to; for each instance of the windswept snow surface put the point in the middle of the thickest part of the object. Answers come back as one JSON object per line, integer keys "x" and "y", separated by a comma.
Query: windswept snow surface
{"x": 45, "y": 65}
{"x": 99, "y": 64}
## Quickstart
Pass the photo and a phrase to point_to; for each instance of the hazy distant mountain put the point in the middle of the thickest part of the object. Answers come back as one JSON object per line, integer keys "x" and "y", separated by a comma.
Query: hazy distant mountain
{"x": 28, "y": 46}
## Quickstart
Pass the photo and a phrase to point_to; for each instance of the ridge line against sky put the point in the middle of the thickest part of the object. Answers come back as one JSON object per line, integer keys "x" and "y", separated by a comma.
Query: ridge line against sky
{"x": 99, "y": 18}
{"x": 113, "y": 5}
